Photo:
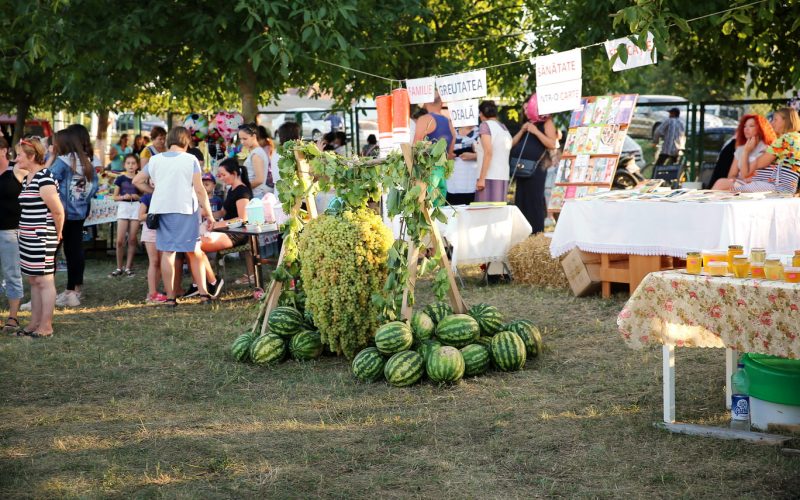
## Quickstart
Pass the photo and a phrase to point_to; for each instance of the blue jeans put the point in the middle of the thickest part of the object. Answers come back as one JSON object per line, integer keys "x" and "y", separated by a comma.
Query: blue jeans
{"x": 9, "y": 263}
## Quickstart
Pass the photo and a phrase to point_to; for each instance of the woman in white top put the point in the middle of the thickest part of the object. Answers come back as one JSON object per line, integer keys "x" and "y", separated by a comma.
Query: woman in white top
{"x": 257, "y": 161}
{"x": 177, "y": 198}
{"x": 461, "y": 184}
{"x": 493, "y": 148}
{"x": 751, "y": 127}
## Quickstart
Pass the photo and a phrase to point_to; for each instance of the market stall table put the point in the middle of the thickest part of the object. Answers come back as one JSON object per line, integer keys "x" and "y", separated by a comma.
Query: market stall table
{"x": 480, "y": 234}
{"x": 647, "y": 230}
{"x": 253, "y": 237}
{"x": 676, "y": 309}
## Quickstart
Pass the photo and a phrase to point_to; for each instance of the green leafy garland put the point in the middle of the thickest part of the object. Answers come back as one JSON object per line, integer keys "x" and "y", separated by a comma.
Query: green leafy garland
{"x": 357, "y": 182}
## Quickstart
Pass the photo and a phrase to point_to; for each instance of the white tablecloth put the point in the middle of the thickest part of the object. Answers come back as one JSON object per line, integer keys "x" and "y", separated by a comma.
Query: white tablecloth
{"x": 480, "y": 234}
{"x": 663, "y": 228}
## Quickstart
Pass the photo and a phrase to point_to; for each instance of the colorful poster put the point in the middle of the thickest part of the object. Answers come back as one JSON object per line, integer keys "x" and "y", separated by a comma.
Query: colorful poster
{"x": 576, "y": 119}
{"x": 625, "y": 111}
{"x": 569, "y": 146}
{"x": 556, "y": 198}
{"x": 592, "y": 140}
{"x": 601, "y": 106}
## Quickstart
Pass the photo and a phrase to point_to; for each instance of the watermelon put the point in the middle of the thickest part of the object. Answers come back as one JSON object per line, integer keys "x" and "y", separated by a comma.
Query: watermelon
{"x": 285, "y": 321}
{"x": 529, "y": 334}
{"x": 368, "y": 365}
{"x": 458, "y": 330}
{"x": 306, "y": 345}
{"x": 438, "y": 310}
{"x": 422, "y": 326}
{"x": 476, "y": 359}
{"x": 393, "y": 337}
{"x": 267, "y": 348}
{"x": 485, "y": 342}
{"x": 488, "y": 317}
{"x": 508, "y": 351}
{"x": 426, "y": 347}
{"x": 404, "y": 368}
{"x": 308, "y": 320}
{"x": 445, "y": 365}
{"x": 241, "y": 346}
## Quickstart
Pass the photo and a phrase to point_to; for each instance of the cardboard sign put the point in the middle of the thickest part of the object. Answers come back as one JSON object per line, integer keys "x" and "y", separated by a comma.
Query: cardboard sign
{"x": 563, "y": 96}
{"x": 636, "y": 56}
{"x": 464, "y": 113}
{"x": 462, "y": 86}
{"x": 556, "y": 68}
{"x": 421, "y": 90}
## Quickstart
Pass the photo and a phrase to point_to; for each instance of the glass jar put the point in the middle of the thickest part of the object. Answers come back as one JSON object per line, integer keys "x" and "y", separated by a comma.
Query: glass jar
{"x": 791, "y": 274}
{"x": 733, "y": 251}
{"x": 758, "y": 256}
{"x": 796, "y": 259}
{"x": 773, "y": 269}
{"x": 757, "y": 271}
{"x": 694, "y": 263}
{"x": 717, "y": 268}
{"x": 710, "y": 256}
{"x": 741, "y": 266}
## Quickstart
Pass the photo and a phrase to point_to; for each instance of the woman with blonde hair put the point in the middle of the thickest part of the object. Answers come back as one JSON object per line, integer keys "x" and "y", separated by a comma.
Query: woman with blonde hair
{"x": 783, "y": 153}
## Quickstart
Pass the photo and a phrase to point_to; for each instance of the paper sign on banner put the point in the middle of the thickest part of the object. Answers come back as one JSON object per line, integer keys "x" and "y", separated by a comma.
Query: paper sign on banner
{"x": 560, "y": 67}
{"x": 464, "y": 113}
{"x": 462, "y": 86}
{"x": 421, "y": 90}
{"x": 636, "y": 56}
{"x": 562, "y": 96}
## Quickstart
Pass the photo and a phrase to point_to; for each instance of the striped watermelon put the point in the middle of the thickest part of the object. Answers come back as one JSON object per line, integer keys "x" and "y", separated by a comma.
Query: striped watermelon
{"x": 306, "y": 345}
{"x": 240, "y": 349}
{"x": 529, "y": 334}
{"x": 458, "y": 330}
{"x": 404, "y": 368}
{"x": 488, "y": 317}
{"x": 508, "y": 351}
{"x": 285, "y": 321}
{"x": 267, "y": 348}
{"x": 476, "y": 359}
{"x": 393, "y": 337}
{"x": 422, "y": 326}
{"x": 438, "y": 310}
{"x": 368, "y": 365}
{"x": 426, "y": 347}
{"x": 485, "y": 342}
{"x": 445, "y": 365}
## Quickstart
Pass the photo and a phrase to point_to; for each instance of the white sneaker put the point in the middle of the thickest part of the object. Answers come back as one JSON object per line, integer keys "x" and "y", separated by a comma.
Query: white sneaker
{"x": 25, "y": 307}
{"x": 70, "y": 299}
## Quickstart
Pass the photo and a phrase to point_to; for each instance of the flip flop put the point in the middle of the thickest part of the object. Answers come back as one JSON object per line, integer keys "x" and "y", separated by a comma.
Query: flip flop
{"x": 38, "y": 335}
{"x": 9, "y": 327}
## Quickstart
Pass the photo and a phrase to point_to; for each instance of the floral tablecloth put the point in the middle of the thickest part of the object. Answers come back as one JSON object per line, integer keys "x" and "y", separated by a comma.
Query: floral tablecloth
{"x": 748, "y": 315}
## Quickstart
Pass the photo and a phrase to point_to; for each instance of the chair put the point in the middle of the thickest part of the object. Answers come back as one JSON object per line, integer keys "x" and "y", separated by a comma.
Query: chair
{"x": 222, "y": 254}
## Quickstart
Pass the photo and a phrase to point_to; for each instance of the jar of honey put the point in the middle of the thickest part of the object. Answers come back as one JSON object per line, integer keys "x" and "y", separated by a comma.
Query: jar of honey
{"x": 734, "y": 250}
{"x": 741, "y": 266}
{"x": 758, "y": 256}
{"x": 791, "y": 274}
{"x": 796, "y": 259}
{"x": 694, "y": 263}
{"x": 773, "y": 269}
{"x": 714, "y": 256}
{"x": 757, "y": 270}
{"x": 717, "y": 268}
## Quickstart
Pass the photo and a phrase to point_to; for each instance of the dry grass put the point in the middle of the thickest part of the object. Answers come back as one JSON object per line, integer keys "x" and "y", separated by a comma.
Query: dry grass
{"x": 531, "y": 263}
{"x": 139, "y": 401}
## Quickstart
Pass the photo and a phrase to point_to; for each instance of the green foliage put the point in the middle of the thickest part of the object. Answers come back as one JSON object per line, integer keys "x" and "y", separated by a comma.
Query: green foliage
{"x": 344, "y": 263}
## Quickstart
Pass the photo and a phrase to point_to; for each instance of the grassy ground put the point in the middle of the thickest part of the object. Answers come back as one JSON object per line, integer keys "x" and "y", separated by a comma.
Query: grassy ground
{"x": 129, "y": 400}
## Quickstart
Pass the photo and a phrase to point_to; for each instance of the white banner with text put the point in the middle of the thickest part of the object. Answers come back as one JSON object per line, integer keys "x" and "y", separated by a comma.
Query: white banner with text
{"x": 462, "y": 86}
{"x": 562, "y": 96}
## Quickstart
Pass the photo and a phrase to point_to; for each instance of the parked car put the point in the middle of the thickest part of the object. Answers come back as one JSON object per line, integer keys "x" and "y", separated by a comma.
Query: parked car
{"x": 632, "y": 149}
{"x": 312, "y": 120}
{"x": 647, "y": 118}
{"x": 126, "y": 122}
{"x": 33, "y": 126}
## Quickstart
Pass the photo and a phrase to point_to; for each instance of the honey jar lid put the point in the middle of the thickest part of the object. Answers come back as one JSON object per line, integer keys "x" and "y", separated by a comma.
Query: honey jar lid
{"x": 735, "y": 247}
{"x": 741, "y": 257}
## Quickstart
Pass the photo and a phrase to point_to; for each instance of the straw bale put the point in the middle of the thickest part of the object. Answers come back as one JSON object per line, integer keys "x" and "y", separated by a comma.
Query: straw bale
{"x": 531, "y": 263}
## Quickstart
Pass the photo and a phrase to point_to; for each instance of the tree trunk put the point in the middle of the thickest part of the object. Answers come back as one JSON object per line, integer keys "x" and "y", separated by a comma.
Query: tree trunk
{"x": 101, "y": 142}
{"x": 248, "y": 92}
{"x": 23, "y": 106}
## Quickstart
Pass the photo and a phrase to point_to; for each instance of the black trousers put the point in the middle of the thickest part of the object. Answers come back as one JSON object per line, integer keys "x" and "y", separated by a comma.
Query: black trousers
{"x": 529, "y": 198}
{"x": 460, "y": 198}
{"x": 72, "y": 239}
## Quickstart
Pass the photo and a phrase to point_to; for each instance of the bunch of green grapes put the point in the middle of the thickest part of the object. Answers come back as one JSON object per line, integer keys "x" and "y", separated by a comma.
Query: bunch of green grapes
{"x": 344, "y": 262}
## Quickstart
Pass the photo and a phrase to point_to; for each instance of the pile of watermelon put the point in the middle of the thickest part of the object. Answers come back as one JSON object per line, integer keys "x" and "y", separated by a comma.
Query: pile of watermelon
{"x": 447, "y": 346}
{"x": 290, "y": 332}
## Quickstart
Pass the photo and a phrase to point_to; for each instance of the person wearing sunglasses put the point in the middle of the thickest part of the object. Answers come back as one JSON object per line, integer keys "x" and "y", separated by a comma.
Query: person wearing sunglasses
{"x": 40, "y": 225}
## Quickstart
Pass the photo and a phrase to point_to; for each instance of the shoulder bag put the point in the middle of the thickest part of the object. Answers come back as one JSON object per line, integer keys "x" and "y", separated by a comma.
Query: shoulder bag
{"x": 522, "y": 168}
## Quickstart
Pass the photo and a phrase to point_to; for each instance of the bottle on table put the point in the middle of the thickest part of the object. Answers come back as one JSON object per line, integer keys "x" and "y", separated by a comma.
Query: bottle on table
{"x": 740, "y": 399}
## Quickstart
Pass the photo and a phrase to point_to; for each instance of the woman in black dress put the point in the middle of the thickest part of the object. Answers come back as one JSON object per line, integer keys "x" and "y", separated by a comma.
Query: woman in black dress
{"x": 537, "y": 135}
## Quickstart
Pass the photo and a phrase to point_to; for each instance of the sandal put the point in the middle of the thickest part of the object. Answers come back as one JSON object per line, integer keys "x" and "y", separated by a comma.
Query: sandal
{"x": 170, "y": 303}
{"x": 11, "y": 327}
{"x": 245, "y": 280}
{"x": 38, "y": 335}
{"x": 116, "y": 272}
{"x": 22, "y": 333}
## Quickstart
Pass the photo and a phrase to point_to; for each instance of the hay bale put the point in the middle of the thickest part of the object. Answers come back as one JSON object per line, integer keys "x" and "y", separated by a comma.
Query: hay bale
{"x": 531, "y": 263}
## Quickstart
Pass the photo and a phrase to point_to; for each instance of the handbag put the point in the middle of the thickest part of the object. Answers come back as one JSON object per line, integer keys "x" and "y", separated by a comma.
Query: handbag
{"x": 152, "y": 221}
{"x": 522, "y": 168}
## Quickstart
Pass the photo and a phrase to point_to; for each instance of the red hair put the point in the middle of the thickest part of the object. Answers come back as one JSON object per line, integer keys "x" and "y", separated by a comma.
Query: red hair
{"x": 763, "y": 128}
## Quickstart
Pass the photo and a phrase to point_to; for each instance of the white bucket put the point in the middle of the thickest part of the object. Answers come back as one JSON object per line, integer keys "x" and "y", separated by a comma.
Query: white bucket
{"x": 763, "y": 413}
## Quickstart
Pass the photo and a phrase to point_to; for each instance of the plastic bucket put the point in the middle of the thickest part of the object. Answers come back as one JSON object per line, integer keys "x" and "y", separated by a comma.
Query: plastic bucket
{"x": 774, "y": 390}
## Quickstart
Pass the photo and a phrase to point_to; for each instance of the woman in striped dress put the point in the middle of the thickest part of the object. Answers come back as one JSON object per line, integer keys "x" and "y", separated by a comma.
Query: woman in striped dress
{"x": 40, "y": 226}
